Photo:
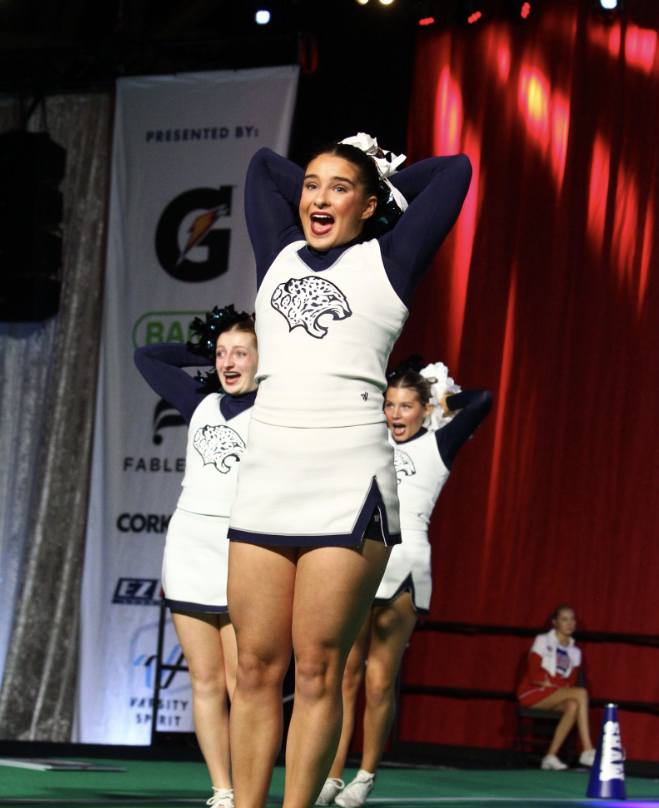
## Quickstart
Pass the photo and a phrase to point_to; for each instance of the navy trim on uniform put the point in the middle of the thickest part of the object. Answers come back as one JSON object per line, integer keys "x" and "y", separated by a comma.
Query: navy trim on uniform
{"x": 406, "y": 586}
{"x": 184, "y": 606}
{"x": 419, "y": 434}
{"x": 319, "y": 261}
{"x": 372, "y": 502}
{"x": 231, "y": 405}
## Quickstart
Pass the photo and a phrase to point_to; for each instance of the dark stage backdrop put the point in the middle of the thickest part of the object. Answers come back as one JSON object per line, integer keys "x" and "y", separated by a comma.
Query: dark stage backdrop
{"x": 547, "y": 293}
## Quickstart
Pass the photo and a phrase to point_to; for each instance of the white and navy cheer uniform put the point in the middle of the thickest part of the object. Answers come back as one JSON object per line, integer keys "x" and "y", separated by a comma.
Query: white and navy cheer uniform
{"x": 423, "y": 464}
{"x": 195, "y": 563}
{"x": 326, "y": 323}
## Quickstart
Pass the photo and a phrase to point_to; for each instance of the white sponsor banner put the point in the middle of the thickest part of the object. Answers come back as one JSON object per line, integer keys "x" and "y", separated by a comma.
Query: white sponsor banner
{"x": 177, "y": 245}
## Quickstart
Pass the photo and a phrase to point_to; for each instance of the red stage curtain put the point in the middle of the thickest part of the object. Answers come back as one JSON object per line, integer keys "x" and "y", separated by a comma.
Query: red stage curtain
{"x": 547, "y": 293}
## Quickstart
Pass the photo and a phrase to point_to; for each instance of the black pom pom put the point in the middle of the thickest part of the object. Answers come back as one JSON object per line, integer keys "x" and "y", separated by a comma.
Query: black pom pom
{"x": 209, "y": 381}
{"x": 387, "y": 212}
{"x": 413, "y": 363}
{"x": 208, "y": 330}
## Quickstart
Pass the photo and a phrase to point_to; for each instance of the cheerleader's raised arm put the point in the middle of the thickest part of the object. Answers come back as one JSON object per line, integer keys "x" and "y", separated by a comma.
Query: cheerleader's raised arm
{"x": 434, "y": 189}
{"x": 272, "y": 194}
{"x": 471, "y": 408}
{"x": 162, "y": 368}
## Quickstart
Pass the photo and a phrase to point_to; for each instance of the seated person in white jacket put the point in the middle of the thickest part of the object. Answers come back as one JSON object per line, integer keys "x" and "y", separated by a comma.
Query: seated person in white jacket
{"x": 549, "y": 684}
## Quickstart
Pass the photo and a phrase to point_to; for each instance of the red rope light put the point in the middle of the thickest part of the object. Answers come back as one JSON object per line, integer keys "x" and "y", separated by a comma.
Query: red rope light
{"x": 472, "y": 18}
{"x": 427, "y": 21}
{"x": 525, "y": 10}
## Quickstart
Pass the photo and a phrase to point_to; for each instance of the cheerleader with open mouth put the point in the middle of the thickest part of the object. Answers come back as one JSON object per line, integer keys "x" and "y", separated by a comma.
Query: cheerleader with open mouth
{"x": 316, "y": 511}
{"x": 217, "y": 408}
{"x": 429, "y": 420}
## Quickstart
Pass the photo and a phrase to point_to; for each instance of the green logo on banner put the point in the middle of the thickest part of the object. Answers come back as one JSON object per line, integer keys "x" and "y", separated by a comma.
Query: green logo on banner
{"x": 164, "y": 326}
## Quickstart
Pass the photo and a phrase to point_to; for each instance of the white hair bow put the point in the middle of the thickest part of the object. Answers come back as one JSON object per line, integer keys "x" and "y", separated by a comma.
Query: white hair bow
{"x": 387, "y": 162}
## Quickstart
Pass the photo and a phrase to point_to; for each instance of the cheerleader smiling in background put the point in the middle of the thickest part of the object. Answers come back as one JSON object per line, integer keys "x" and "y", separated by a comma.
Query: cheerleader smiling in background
{"x": 423, "y": 459}
{"x": 195, "y": 564}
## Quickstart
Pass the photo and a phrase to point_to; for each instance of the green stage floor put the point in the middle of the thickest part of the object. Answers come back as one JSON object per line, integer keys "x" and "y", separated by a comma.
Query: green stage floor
{"x": 166, "y": 783}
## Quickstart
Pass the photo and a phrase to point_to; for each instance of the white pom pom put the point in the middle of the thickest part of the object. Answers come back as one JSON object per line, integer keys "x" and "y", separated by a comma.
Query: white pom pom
{"x": 440, "y": 383}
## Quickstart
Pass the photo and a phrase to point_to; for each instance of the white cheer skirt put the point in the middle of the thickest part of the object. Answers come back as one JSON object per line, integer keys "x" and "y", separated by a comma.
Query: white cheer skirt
{"x": 315, "y": 487}
{"x": 196, "y": 562}
{"x": 408, "y": 570}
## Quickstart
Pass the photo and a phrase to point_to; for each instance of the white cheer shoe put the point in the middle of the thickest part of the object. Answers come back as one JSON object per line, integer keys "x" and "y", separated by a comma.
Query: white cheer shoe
{"x": 587, "y": 758}
{"x": 356, "y": 792}
{"x": 553, "y": 763}
{"x": 331, "y": 788}
{"x": 222, "y": 798}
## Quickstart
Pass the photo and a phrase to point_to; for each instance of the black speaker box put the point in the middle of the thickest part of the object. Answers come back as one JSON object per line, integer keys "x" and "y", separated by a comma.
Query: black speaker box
{"x": 31, "y": 168}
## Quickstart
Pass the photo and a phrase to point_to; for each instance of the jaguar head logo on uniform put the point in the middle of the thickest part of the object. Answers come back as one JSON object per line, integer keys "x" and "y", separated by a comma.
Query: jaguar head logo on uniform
{"x": 303, "y": 301}
{"x": 403, "y": 465}
{"x": 216, "y": 444}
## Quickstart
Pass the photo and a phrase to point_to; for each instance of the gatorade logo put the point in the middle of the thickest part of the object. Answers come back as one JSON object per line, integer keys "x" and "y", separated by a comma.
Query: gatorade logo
{"x": 612, "y": 765}
{"x": 191, "y": 244}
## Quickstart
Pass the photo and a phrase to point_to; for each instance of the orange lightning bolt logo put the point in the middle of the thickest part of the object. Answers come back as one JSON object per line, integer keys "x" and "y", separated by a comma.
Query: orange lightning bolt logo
{"x": 201, "y": 225}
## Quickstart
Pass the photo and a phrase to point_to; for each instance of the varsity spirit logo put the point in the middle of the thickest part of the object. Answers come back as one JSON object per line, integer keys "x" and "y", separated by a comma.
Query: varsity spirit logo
{"x": 174, "y": 707}
{"x": 216, "y": 444}
{"x": 303, "y": 301}
{"x": 191, "y": 245}
{"x": 403, "y": 465}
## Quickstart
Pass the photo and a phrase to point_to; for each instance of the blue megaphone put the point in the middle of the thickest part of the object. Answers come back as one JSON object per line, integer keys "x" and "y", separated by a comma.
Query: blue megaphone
{"x": 607, "y": 777}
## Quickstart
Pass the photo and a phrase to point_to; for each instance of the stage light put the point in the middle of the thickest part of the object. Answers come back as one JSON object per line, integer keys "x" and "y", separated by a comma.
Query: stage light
{"x": 362, "y": 2}
{"x": 386, "y": 2}
{"x": 519, "y": 9}
{"x": 262, "y": 16}
{"x": 425, "y": 14}
{"x": 609, "y": 9}
{"x": 469, "y": 11}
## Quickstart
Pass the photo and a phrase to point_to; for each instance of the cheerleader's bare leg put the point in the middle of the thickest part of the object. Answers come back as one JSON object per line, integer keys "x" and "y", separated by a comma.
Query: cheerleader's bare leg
{"x": 573, "y": 703}
{"x": 230, "y": 652}
{"x": 260, "y": 592}
{"x": 201, "y": 642}
{"x": 334, "y": 590}
{"x": 391, "y": 628}
{"x": 352, "y": 679}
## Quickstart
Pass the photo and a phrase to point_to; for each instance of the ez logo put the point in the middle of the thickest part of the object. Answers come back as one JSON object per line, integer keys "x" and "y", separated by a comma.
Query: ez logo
{"x": 136, "y": 591}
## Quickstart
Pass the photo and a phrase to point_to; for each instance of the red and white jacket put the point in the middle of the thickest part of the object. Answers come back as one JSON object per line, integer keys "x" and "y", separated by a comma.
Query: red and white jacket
{"x": 543, "y": 669}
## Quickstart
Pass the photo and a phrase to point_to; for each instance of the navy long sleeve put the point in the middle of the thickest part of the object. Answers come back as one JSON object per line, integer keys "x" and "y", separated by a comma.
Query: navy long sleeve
{"x": 473, "y": 406}
{"x": 161, "y": 366}
{"x": 273, "y": 188}
{"x": 435, "y": 189}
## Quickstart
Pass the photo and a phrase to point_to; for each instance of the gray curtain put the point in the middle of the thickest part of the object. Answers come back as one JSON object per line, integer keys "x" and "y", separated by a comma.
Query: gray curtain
{"x": 25, "y": 361}
{"x": 47, "y": 421}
